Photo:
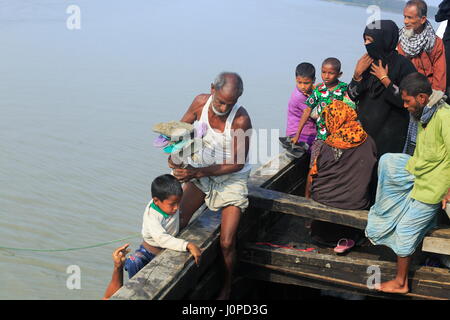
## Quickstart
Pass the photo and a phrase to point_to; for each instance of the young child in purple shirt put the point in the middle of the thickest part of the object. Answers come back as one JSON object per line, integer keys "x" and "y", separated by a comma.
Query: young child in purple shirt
{"x": 305, "y": 75}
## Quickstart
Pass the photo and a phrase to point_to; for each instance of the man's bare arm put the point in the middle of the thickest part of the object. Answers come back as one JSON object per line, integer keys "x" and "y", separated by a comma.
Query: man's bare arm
{"x": 194, "y": 111}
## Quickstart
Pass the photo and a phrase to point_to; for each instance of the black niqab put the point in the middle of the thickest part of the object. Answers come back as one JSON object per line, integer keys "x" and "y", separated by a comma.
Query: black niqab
{"x": 383, "y": 47}
{"x": 385, "y": 39}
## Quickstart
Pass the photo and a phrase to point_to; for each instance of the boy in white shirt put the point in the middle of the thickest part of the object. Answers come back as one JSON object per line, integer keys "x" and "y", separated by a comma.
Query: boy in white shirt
{"x": 160, "y": 225}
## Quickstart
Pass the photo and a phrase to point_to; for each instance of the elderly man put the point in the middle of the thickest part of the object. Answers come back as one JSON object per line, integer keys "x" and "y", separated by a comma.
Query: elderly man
{"x": 220, "y": 180}
{"x": 412, "y": 189}
{"x": 419, "y": 43}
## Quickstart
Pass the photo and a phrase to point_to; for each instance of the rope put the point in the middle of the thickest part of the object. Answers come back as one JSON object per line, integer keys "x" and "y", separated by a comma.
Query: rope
{"x": 72, "y": 249}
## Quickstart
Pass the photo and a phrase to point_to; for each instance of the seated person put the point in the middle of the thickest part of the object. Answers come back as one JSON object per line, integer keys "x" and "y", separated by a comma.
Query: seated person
{"x": 411, "y": 188}
{"x": 342, "y": 172}
{"x": 161, "y": 224}
{"x": 346, "y": 161}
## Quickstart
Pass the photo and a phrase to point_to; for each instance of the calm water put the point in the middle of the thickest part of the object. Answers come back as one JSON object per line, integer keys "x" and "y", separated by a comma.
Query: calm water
{"x": 77, "y": 107}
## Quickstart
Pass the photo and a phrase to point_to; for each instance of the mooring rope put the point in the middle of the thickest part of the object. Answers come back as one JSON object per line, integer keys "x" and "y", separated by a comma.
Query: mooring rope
{"x": 72, "y": 249}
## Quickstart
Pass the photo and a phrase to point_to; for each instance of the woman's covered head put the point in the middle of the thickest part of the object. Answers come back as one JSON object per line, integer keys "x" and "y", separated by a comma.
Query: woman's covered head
{"x": 345, "y": 131}
{"x": 381, "y": 39}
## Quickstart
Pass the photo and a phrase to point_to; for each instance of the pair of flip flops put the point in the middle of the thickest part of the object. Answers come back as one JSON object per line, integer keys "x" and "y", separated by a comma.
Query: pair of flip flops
{"x": 344, "y": 245}
{"x": 174, "y": 130}
{"x": 161, "y": 141}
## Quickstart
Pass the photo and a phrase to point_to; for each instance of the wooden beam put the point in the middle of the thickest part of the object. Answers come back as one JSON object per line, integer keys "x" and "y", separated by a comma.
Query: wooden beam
{"x": 442, "y": 232}
{"x": 299, "y": 206}
{"x": 436, "y": 245}
{"x": 437, "y": 241}
{"x": 290, "y": 277}
{"x": 350, "y": 273}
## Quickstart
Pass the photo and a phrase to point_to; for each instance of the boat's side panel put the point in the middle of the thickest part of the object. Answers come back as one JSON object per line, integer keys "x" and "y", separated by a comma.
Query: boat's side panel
{"x": 171, "y": 274}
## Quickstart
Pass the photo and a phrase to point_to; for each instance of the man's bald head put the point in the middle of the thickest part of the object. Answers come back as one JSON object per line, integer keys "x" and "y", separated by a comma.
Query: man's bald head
{"x": 230, "y": 83}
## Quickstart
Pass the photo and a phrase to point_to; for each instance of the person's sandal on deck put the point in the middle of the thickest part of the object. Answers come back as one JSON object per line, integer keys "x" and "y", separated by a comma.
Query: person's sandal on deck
{"x": 344, "y": 245}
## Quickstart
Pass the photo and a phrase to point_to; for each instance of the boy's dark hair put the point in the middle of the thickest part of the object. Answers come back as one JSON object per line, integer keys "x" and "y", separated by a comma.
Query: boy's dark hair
{"x": 305, "y": 70}
{"x": 165, "y": 186}
{"x": 422, "y": 8}
{"x": 416, "y": 83}
{"x": 334, "y": 62}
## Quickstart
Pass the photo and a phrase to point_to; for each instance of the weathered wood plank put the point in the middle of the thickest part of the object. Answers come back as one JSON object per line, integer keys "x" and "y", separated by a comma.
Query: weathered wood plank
{"x": 275, "y": 167}
{"x": 191, "y": 273}
{"x": 436, "y": 245}
{"x": 442, "y": 232}
{"x": 299, "y": 206}
{"x": 171, "y": 274}
{"x": 208, "y": 285}
{"x": 290, "y": 277}
{"x": 349, "y": 272}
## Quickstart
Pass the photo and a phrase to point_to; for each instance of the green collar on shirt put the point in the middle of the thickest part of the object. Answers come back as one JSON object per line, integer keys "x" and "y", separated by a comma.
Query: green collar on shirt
{"x": 154, "y": 206}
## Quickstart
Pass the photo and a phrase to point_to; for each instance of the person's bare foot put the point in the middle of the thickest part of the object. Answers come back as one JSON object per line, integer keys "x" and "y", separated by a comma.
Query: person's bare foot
{"x": 393, "y": 286}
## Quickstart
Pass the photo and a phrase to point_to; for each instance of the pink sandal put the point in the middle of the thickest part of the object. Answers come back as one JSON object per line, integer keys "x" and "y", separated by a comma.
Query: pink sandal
{"x": 344, "y": 245}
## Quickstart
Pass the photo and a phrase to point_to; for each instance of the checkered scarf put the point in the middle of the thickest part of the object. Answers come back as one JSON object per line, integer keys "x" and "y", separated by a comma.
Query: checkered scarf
{"x": 418, "y": 42}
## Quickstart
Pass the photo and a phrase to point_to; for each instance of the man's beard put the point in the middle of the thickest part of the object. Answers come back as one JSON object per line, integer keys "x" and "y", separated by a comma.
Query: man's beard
{"x": 409, "y": 32}
{"x": 417, "y": 113}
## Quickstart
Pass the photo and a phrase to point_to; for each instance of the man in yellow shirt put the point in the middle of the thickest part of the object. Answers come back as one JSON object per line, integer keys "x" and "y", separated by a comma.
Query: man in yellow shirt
{"x": 411, "y": 190}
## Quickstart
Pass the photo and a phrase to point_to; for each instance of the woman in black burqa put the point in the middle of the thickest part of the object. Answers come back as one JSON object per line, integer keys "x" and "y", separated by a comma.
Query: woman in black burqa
{"x": 375, "y": 87}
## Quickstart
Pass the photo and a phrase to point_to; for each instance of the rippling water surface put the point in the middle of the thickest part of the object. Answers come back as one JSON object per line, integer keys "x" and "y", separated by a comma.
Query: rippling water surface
{"x": 77, "y": 107}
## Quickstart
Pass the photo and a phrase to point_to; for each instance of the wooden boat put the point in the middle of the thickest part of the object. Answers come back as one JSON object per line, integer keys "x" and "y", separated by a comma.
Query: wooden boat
{"x": 276, "y": 215}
